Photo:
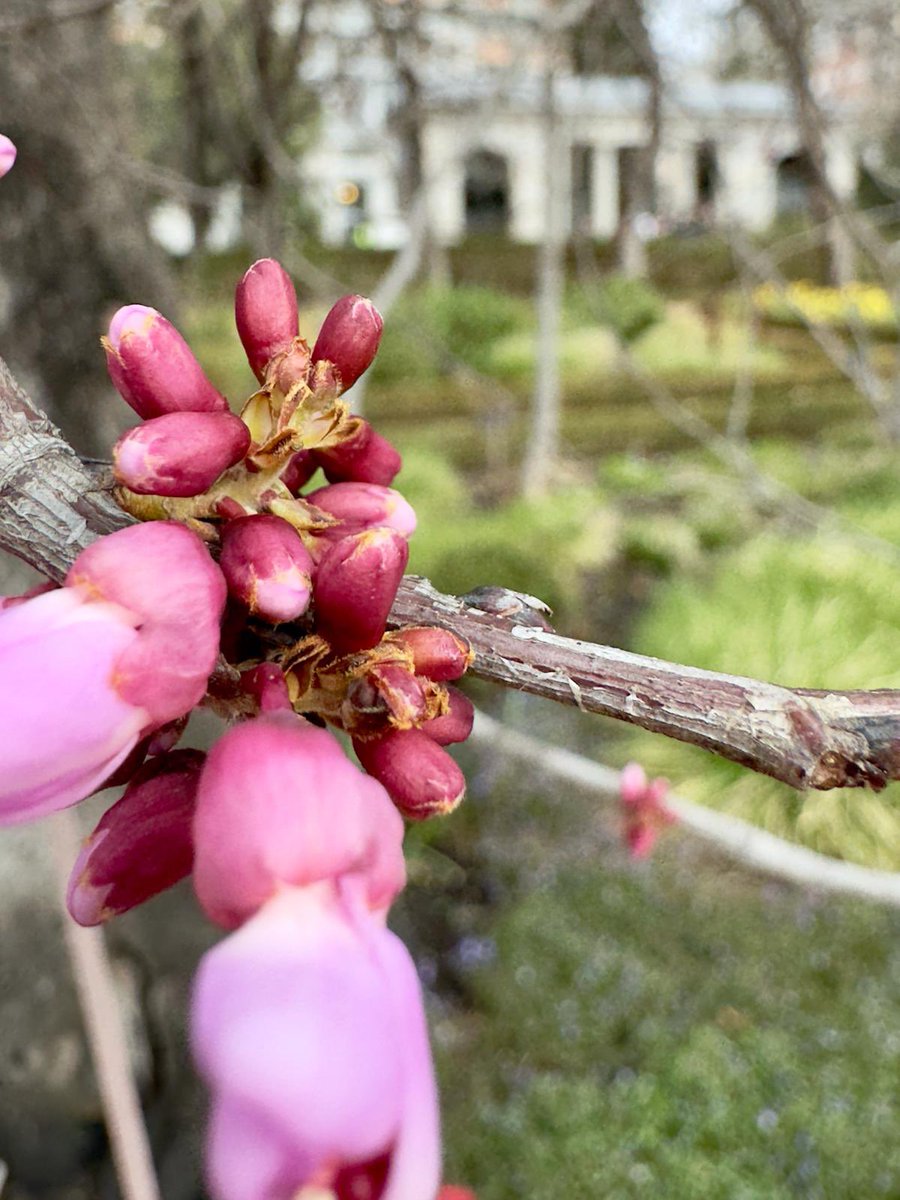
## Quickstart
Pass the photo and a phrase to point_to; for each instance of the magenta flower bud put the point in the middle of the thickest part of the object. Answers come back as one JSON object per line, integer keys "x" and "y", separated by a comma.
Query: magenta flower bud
{"x": 142, "y": 845}
{"x": 388, "y": 692}
{"x": 363, "y": 506}
{"x": 308, "y": 1027}
{"x": 162, "y": 575}
{"x": 266, "y": 566}
{"x": 299, "y": 470}
{"x": 281, "y": 804}
{"x": 265, "y": 311}
{"x": 418, "y": 774}
{"x": 437, "y": 654}
{"x": 179, "y": 454}
{"x": 153, "y": 368}
{"x": 455, "y": 725}
{"x": 355, "y": 585}
{"x": 365, "y": 457}
{"x": 349, "y": 338}
{"x": 7, "y": 154}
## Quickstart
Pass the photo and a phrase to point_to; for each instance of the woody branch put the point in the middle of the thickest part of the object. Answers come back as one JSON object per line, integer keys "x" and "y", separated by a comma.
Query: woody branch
{"x": 52, "y": 506}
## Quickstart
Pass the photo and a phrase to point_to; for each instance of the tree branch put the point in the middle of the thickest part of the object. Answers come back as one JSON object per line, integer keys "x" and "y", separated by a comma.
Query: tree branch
{"x": 51, "y": 508}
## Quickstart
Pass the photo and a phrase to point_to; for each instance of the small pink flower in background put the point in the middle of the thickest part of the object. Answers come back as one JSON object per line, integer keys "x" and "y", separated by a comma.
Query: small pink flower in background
{"x": 280, "y": 804}
{"x": 308, "y": 1027}
{"x": 7, "y": 154}
{"x": 643, "y": 808}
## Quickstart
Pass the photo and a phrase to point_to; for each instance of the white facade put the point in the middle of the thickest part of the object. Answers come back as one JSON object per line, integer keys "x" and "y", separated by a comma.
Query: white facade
{"x": 721, "y": 152}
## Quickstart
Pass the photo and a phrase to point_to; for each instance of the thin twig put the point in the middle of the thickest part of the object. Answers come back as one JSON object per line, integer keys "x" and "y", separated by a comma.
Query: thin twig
{"x": 743, "y": 842}
{"x": 105, "y": 1032}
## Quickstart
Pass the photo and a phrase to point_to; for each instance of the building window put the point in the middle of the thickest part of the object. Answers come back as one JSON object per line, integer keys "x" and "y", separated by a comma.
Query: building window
{"x": 487, "y": 192}
{"x": 794, "y": 177}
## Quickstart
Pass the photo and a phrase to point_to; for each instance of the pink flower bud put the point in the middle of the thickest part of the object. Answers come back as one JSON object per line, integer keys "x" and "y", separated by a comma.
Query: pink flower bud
{"x": 161, "y": 574}
{"x": 266, "y": 566}
{"x": 362, "y": 506}
{"x": 355, "y": 586}
{"x": 388, "y": 692}
{"x": 265, "y": 311}
{"x": 365, "y": 457}
{"x": 179, "y": 454}
{"x": 142, "y": 845}
{"x": 308, "y": 1027}
{"x": 349, "y": 338}
{"x": 280, "y": 803}
{"x": 153, "y": 368}
{"x": 437, "y": 654}
{"x": 455, "y": 725}
{"x": 419, "y": 775}
{"x": 299, "y": 470}
{"x": 7, "y": 154}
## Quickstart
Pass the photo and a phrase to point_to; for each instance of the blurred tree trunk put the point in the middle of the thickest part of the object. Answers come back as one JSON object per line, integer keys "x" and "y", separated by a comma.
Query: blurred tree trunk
{"x": 788, "y": 25}
{"x": 73, "y": 235}
{"x": 543, "y": 436}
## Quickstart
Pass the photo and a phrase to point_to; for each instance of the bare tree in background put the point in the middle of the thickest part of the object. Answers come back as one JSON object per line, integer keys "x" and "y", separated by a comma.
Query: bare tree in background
{"x": 73, "y": 238}
{"x": 240, "y": 108}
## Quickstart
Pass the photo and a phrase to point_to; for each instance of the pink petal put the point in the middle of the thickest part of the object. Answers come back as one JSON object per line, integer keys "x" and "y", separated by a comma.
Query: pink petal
{"x": 280, "y": 803}
{"x": 309, "y": 1022}
{"x": 162, "y": 573}
{"x": 66, "y": 727}
{"x": 7, "y": 154}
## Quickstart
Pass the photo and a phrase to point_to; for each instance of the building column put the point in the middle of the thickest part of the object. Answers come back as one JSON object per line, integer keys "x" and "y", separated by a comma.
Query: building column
{"x": 605, "y": 192}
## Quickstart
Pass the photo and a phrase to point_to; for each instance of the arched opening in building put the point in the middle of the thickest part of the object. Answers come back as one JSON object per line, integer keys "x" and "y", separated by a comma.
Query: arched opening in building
{"x": 706, "y": 171}
{"x": 793, "y": 177}
{"x": 487, "y": 192}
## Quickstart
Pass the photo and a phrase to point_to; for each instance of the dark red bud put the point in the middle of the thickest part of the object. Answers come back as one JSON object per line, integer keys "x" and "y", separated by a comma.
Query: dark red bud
{"x": 298, "y": 471}
{"x": 349, "y": 338}
{"x": 153, "y": 368}
{"x": 266, "y": 566}
{"x": 355, "y": 585}
{"x": 455, "y": 725}
{"x": 365, "y": 457}
{"x": 179, "y": 454}
{"x": 142, "y": 845}
{"x": 419, "y": 775}
{"x": 265, "y": 311}
{"x": 437, "y": 653}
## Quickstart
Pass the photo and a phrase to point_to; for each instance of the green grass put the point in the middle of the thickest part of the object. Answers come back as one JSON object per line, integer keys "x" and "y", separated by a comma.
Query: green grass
{"x": 670, "y": 1030}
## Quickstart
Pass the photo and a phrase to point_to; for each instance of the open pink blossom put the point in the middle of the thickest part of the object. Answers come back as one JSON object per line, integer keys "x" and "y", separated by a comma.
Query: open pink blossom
{"x": 281, "y": 804}
{"x": 308, "y": 1027}
{"x": 644, "y": 809}
{"x": 7, "y": 154}
{"x": 88, "y": 670}
{"x": 66, "y": 726}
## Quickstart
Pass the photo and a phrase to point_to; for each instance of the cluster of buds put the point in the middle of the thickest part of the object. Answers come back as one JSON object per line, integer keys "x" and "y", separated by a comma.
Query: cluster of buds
{"x": 326, "y": 562}
{"x": 271, "y": 605}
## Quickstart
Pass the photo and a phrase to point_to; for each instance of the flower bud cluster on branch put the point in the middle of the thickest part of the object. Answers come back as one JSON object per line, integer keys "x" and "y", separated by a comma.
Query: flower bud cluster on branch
{"x": 238, "y": 590}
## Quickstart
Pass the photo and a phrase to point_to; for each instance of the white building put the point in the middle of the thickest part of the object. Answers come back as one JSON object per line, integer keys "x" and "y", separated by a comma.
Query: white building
{"x": 729, "y": 151}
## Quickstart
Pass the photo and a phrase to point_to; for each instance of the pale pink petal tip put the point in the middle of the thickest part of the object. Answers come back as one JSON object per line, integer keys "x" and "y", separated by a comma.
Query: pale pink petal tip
{"x": 632, "y": 783}
{"x": 132, "y": 318}
{"x": 7, "y": 154}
